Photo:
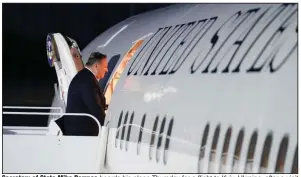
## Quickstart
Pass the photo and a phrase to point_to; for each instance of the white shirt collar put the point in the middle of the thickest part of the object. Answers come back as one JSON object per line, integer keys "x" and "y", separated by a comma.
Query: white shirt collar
{"x": 91, "y": 71}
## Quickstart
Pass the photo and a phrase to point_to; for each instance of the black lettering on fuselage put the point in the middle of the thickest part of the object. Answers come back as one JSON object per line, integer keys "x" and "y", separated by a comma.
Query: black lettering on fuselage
{"x": 192, "y": 39}
{"x": 268, "y": 21}
{"x": 169, "y": 45}
{"x": 152, "y": 49}
{"x": 247, "y": 25}
{"x": 166, "y": 47}
{"x": 137, "y": 59}
{"x": 277, "y": 40}
{"x": 159, "y": 48}
{"x": 177, "y": 43}
{"x": 214, "y": 41}
{"x": 149, "y": 50}
{"x": 145, "y": 59}
{"x": 239, "y": 38}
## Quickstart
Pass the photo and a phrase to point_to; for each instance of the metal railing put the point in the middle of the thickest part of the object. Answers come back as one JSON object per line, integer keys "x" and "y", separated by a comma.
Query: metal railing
{"x": 31, "y": 107}
{"x": 49, "y": 113}
{"x": 60, "y": 109}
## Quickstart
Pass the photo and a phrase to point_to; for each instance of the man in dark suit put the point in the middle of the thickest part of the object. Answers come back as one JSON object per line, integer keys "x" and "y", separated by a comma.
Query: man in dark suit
{"x": 85, "y": 96}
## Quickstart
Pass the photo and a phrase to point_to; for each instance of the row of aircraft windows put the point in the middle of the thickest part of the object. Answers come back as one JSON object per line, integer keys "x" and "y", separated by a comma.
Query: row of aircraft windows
{"x": 264, "y": 163}
{"x": 121, "y": 136}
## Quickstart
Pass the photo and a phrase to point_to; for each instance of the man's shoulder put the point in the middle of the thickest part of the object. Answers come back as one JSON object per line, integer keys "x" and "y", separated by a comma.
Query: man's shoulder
{"x": 84, "y": 73}
{"x": 81, "y": 77}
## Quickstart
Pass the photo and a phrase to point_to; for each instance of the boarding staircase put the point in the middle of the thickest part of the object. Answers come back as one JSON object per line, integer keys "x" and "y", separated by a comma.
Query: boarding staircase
{"x": 46, "y": 150}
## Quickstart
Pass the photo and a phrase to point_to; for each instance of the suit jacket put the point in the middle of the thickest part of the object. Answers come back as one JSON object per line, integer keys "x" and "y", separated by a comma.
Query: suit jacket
{"x": 84, "y": 96}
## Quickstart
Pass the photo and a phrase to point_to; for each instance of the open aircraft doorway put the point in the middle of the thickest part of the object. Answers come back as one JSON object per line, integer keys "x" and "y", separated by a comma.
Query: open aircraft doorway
{"x": 109, "y": 90}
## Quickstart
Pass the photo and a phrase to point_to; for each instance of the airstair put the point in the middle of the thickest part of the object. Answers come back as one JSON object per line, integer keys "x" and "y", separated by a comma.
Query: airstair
{"x": 46, "y": 150}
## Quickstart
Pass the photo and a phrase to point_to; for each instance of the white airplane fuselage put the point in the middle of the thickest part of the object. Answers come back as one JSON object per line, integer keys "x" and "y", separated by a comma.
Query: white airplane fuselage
{"x": 207, "y": 88}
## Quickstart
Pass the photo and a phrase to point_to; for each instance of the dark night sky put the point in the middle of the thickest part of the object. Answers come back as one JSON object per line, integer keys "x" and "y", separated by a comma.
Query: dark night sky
{"x": 27, "y": 78}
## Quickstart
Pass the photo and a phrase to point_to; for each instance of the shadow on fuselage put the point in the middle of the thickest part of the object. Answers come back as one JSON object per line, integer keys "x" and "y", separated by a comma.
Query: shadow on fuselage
{"x": 111, "y": 65}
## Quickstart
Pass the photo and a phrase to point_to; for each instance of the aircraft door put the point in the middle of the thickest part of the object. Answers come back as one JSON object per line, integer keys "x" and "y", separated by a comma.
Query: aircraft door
{"x": 118, "y": 70}
{"x": 64, "y": 55}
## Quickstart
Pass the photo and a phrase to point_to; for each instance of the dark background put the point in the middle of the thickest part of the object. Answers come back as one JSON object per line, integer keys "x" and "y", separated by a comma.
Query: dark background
{"x": 27, "y": 78}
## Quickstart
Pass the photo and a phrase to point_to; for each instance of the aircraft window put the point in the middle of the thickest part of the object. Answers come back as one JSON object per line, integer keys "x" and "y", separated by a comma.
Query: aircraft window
{"x": 251, "y": 151}
{"x": 123, "y": 129}
{"x": 169, "y": 131}
{"x": 160, "y": 139}
{"x": 266, "y": 153}
{"x": 118, "y": 128}
{"x": 140, "y": 134}
{"x": 225, "y": 148}
{"x": 281, "y": 155}
{"x": 119, "y": 70}
{"x": 129, "y": 132}
{"x": 153, "y": 137}
{"x": 203, "y": 145}
{"x": 204, "y": 140}
{"x": 237, "y": 151}
{"x": 214, "y": 143}
{"x": 295, "y": 163}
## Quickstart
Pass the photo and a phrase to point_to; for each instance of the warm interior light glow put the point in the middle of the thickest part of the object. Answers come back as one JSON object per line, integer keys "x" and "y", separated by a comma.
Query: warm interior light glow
{"x": 116, "y": 75}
